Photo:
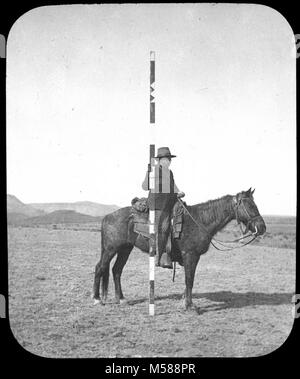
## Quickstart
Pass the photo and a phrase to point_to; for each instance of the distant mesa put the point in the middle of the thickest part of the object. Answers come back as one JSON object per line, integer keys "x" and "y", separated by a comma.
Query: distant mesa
{"x": 61, "y": 217}
{"x": 85, "y": 207}
{"x": 19, "y": 213}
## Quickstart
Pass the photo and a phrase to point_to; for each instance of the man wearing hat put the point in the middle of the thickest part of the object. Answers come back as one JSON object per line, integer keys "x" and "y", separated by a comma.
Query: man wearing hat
{"x": 162, "y": 198}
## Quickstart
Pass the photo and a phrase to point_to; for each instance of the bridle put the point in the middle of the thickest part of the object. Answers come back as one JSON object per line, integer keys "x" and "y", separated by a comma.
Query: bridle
{"x": 237, "y": 204}
{"x": 250, "y": 219}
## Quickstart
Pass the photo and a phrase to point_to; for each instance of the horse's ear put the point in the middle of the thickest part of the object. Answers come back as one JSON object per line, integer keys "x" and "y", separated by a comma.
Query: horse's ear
{"x": 252, "y": 192}
{"x": 249, "y": 191}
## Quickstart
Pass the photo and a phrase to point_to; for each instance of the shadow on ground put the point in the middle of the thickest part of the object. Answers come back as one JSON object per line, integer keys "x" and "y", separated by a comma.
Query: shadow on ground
{"x": 228, "y": 300}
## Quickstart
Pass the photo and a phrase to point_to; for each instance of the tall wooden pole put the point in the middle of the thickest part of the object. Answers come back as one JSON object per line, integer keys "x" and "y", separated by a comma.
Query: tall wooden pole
{"x": 151, "y": 169}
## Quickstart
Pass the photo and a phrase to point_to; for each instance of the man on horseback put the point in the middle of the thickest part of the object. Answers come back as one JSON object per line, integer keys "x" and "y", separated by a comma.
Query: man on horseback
{"x": 163, "y": 198}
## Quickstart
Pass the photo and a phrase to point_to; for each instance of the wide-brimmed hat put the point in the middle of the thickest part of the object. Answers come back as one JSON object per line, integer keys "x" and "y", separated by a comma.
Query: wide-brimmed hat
{"x": 164, "y": 152}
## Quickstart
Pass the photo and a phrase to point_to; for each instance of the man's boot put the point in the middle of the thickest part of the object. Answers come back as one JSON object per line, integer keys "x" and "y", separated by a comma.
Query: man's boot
{"x": 166, "y": 261}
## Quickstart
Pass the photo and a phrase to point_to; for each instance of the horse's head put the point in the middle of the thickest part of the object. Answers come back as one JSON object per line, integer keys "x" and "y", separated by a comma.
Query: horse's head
{"x": 246, "y": 212}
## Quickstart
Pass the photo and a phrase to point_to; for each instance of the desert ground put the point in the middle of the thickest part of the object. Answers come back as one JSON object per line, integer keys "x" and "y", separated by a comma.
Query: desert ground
{"x": 243, "y": 297}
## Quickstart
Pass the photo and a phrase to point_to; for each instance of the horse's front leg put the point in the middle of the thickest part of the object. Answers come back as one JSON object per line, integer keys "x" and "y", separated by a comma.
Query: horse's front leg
{"x": 190, "y": 263}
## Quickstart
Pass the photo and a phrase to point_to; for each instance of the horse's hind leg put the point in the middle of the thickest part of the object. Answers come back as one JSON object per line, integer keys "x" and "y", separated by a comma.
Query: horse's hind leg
{"x": 104, "y": 284}
{"x": 97, "y": 279}
{"x": 122, "y": 257}
{"x": 102, "y": 272}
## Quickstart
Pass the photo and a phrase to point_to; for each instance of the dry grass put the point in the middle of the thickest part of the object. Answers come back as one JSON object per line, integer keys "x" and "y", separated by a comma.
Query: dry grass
{"x": 243, "y": 299}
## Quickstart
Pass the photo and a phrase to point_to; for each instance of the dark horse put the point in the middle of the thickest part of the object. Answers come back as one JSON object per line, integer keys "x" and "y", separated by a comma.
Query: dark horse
{"x": 117, "y": 237}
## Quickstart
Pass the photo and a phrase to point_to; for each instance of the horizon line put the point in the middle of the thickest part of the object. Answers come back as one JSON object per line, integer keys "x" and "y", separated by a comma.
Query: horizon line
{"x": 89, "y": 201}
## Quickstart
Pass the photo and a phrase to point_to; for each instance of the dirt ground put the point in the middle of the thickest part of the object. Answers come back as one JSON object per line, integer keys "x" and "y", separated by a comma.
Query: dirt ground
{"x": 243, "y": 299}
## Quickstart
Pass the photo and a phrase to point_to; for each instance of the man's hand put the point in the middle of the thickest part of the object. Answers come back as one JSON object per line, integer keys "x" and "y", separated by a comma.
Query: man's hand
{"x": 180, "y": 194}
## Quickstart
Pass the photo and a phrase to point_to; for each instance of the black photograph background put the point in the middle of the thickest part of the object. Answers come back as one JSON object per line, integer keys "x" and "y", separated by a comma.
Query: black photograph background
{"x": 77, "y": 125}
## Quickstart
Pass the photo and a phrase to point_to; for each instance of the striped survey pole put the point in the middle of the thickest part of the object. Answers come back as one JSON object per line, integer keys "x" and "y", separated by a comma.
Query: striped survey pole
{"x": 151, "y": 169}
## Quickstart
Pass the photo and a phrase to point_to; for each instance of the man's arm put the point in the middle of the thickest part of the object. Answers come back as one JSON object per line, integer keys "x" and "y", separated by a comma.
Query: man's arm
{"x": 177, "y": 190}
{"x": 145, "y": 184}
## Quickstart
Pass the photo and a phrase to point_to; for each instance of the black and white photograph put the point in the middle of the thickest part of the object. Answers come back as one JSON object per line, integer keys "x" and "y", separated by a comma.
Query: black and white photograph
{"x": 151, "y": 180}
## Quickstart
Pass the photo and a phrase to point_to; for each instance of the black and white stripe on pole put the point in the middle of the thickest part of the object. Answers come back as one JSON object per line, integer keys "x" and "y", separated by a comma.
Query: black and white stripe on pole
{"x": 151, "y": 168}
{"x": 152, "y": 87}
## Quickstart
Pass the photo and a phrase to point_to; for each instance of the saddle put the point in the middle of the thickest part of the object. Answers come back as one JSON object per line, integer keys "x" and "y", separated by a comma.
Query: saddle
{"x": 140, "y": 217}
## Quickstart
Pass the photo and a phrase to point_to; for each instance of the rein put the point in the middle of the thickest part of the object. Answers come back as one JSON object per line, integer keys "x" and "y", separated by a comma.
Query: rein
{"x": 228, "y": 248}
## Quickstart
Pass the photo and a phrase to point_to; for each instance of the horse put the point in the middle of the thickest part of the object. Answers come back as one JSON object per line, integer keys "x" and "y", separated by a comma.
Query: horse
{"x": 200, "y": 224}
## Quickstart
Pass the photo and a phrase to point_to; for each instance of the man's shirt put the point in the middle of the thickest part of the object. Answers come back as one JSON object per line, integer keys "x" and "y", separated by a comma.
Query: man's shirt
{"x": 163, "y": 195}
{"x": 164, "y": 181}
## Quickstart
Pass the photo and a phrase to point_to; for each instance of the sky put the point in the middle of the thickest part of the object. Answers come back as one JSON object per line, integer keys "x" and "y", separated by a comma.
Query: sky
{"x": 78, "y": 102}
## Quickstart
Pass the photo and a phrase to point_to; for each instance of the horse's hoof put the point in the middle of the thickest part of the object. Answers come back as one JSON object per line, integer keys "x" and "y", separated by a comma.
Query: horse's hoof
{"x": 120, "y": 301}
{"x": 191, "y": 308}
{"x": 97, "y": 301}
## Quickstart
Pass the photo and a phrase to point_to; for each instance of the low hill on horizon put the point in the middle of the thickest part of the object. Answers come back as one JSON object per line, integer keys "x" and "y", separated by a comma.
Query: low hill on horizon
{"x": 19, "y": 209}
{"x": 59, "y": 217}
{"x": 86, "y": 207}
{"x": 14, "y": 218}
{"x": 19, "y": 213}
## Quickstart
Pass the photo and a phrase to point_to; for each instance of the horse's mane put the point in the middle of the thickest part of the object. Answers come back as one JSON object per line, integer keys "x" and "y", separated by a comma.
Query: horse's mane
{"x": 212, "y": 210}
